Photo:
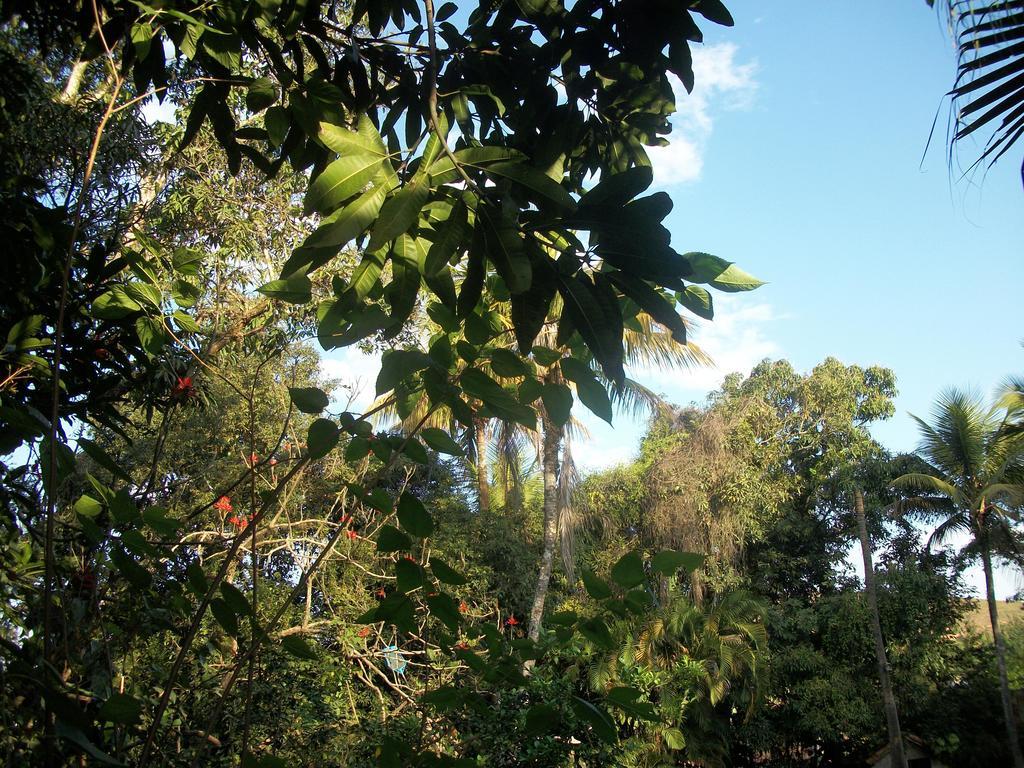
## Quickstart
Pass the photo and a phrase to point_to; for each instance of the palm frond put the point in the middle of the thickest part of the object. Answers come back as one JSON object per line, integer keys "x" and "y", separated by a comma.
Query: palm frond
{"x": 989, "y": 88}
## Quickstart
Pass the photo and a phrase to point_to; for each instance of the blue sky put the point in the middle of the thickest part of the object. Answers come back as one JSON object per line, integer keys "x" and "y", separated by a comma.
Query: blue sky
{"x": 799, "y": 156}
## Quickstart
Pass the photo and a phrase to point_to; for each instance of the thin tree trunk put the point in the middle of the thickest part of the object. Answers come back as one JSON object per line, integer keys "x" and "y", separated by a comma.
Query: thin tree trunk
{"x": 483, "y": 486}
{"x": 552, "y": 442}
{"x": 997, "y": 639}
{"x": 897, "y": 757}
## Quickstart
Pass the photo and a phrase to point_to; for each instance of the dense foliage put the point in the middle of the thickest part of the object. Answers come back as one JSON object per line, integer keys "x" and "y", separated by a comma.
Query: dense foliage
{"x": 211, "y": 556}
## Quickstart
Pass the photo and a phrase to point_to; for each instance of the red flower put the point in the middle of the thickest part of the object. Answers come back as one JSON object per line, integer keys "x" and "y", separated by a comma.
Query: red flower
{"x": 344, "y": 519}
{"x": 223, "y": 504}
{"x": 273, "y": 462}
{"x": 183, "y": 388}
{"x": 233, "y": 520}
{"x": 364, "y": 632}
{"x": 463, "y": 607}
{"x": 352, "y": 534}
{"x": 381, "y": 593}
{"x": 410, "y": 558}
{"x": 511, "y": 621}
{"x": 461, "y": 646}
{"x": 253, "y": 458}
{"x": 102, "y": 354}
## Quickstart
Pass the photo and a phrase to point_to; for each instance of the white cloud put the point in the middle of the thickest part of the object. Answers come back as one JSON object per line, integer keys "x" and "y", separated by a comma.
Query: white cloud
{"x": 356, "y": 373}
{"x": 720, "y": 83}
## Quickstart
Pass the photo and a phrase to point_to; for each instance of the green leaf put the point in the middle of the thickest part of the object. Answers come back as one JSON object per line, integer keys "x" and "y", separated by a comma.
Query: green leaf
{"x": 152, "y": 336}
{"x": 130, "y": 569}
{"x": 399, "y": 213}
{"x": 390, "y": 539}
{"x": 277, "y": 122}
{"x": 599, "y": 325}
{"x": 398, "y": 365}
{"x": 652, "y": 302}
{"x": 101, "y": 457}
{"x": 557, "y": 402}
{"x": 546, "y": 356}
{"x": 629, "y": 570}
{"x": 235, "y": 600}
{"x": 719, "y": 273}
{"x": 87, "y": 506}
{"x": 308, "y": 399}
{"x": 698, "y": 301}
{"x": 121, "y": 708}
{"x": 619, "y": 188}
{"x": 445, "y": 573}
{"x": 505, "y": 248}
{"x": 596, "y": 587}
{"x": 668, "y": 561}
{"x": 441, "y": 441}
{"x": 408, "y": 575}
{"x": 322, "y": 437}
{"x": 413, "y": 516}
{"x": 298, "y": 647}
{"x": 341, "y": 227}
{"x": 478, "y": 384}
{"x": 628, "y": 700}
{"x": 226, "y": 49}
{"x": 508, "y": 364}
{"x": 444, "y": 608}
{"x": 442, "y": 171}
{"x": 260, "y": 94}
{"x": 340, "y": 180}
{"x": 590, "y": 391}
{"x": 295, "y": 289}
{"x": 114, "y": 305}
{"x": 363, "y": 141}
{"x": 224, "y": 615}
{"x": 414, "y": 450}
{"x": 156, "y": 518}
{"x": 535, "y": 180}
{"x": 196, "y": 579}
{"x": 604, "y": 727}
{"x": 674, "y": 738}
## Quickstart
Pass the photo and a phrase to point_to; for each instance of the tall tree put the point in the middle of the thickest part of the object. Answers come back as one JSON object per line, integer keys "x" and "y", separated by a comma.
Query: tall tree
{"x": 975, "y": 483}
{"x": 892, "y": 717}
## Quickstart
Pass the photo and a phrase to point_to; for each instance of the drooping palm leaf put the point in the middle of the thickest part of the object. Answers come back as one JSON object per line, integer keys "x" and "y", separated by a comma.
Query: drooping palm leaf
{"x": 989, "y": 89}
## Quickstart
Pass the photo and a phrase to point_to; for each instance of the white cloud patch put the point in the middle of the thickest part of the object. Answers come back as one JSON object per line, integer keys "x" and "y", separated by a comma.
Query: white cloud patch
{"x": 356, "y": 374}
{"x": 721, "y": 82}
{"x": 736, "y": 341}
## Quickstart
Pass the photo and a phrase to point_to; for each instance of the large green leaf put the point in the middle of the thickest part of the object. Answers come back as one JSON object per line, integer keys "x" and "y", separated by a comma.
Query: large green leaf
{"x": 342, "y": 226}
{"x": 398, "y": 365}
{"x": 629, "y": 570}
{"x": 668, "y": 561}
{"x": 365, "y": 140}
{"x": 698, "y": 301}
{"x": 590, "y": 391}
{"x": 441, "y": 441}
{"x": 600, "y": 327}
{"x": 295, "y": 289}
{"x": 597, "y": 718}
{"x": 340, "y": 180}
{"x": 557, "y": 402}
{"x": 505, "y": 248}
{"x": 535, "y": 180}
{"x": 413, "y": 516}
{"x": 399, "y": 213}
{"x": 719, "y": 273}
{"x": 322, "y": 437}
{"x": 308, "y": 399}
{"x": 502, "y": 403}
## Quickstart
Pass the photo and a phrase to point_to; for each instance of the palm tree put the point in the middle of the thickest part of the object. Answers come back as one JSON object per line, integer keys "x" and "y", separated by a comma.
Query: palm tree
{"x": 976, "y": 485}
{"x": 695, "y": 654}
{"x": 989, "y": 84}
